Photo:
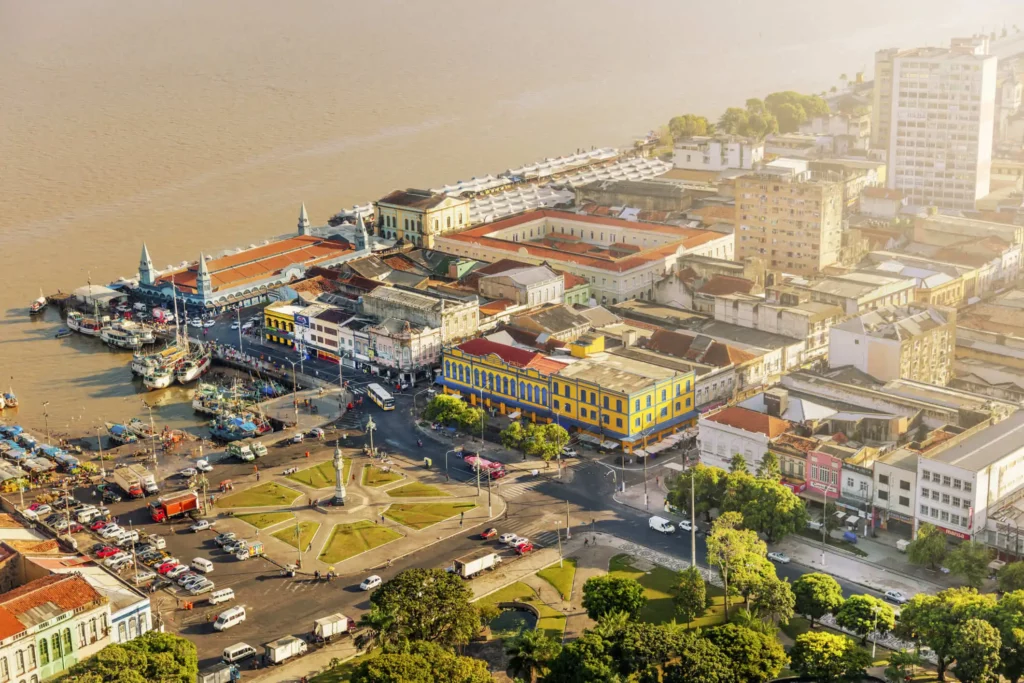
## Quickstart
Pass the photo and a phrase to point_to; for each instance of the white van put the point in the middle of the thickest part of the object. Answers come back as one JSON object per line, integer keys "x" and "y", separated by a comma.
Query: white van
{"x": 238, "y": 652}
{"x": 661, "y": 524}
{"x": 201, "y": 564}
{"x": 87, "y": 515}
{"x": 223, "y": 595}
{"x": 228, "y": 618}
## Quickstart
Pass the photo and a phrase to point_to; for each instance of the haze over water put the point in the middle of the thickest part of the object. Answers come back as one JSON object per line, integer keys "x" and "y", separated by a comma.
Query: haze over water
{"x": 202, "y": 125}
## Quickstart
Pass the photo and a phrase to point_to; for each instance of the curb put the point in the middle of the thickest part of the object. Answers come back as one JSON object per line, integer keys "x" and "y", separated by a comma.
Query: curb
{"x": 861, "y": 560}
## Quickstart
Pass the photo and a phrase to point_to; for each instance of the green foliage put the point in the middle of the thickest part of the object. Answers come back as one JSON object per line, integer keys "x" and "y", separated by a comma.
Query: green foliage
{"x": 699, "y": 659}
{"x": 791, "y": 108}
{"x": 640, "y": 646}
{"x": 901, "y": 665}
{"x": 606, "y": 594}
{"x": 709, "y": 489}
{"x": 935, "y": 620}
{"x": 473, "y": 420}
{"x": 423, "y": 604}
{"x": 754, "y": 121}
{"x": 929, "y": 547}
{"x": 513, "y": 436}
{"x": 445, "y": 409}
{"x": 732, "y": 550}
{"x": 829, "y": 521}
{"x": 153, "y": 656}
{"x": 977, "y": 652}
{"x": 1008, "y": 617}
{"x": 772, "y": 599}
{"x": 545, "y": 441}
{"x": 768, "y": 507}
{"x": 970, "y": 560}
{"x": 769, "y": 468}
{"x": 817, "y": 595}
{"x": 865, "y": 614}
{"x": 691, "y": 598}
{"x": 756, "y": 657}
{"x": 738, "y": 464}
{"x": 1011, "y": 577}
{"x": 588, "y": 659}
{"x": 421, "y": 662}
{"x": 688, "y": 125}
{"x": 531, "y": 652}
{"x": 828, "y": 657}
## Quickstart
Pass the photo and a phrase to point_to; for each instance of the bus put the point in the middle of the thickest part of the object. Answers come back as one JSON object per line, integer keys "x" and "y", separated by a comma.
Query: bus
{"x": 495, "y": 469}
{"x": 380, "y": 396}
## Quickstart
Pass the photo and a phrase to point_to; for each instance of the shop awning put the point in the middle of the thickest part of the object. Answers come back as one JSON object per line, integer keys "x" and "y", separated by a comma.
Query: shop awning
{"x": 514, "y": 415}
{"x": 590, "y": 438}
{"x": 640, "y": 453}
{"x": 609, "y": 444}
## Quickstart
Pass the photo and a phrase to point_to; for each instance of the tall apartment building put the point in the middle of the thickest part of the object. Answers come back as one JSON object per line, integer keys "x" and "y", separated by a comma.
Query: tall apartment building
{"x": 791, "y": 221}
{"x": 934, "y": 113}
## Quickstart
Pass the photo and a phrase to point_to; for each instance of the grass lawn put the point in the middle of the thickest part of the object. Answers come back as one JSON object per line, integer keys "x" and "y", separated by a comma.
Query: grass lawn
{"x": 551, "y": 620}
{"x": 343, "y": 672}
{"x": 422, "y": 515}
{"x": 415, "y": 489}
{"x": 261, "y": 520}
{"x": 375, "y": 476}
{"x": 321, "y": 476}
{"x": 835, "y": 543}
{"x": 560, "y": 577}
{"x": 263, "y": 495}
{"x": 349, "y": 540}
{"x": 659, "y": 587}
{"x": 307, "y": 530}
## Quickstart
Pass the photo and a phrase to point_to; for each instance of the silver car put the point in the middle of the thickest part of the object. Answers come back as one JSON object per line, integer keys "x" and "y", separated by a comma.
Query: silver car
{"x": 201, "y": 587}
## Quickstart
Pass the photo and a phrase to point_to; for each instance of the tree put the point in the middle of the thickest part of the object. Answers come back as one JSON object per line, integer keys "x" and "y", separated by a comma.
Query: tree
{"x": 700, "y": 660}
{"x": 709, "y": 488}
{"x": 773, "y": 600}
{"x": 733, "y": 121}
{"x": 423, "y": 604}
{"x": 970, "y": 560}
{"x": 769, "y": 468}
{"x": 770, "y": 508}
{"x": 829, "y": 520}
{"x": 730, "y": 548}
{"x": 901, "y": 666}
{"x": 639, "y": 646}
{"x": 790, "y": 117}
{"x": 546, "y": 441}
{"x": 1011, "y": 577}
{"x": 445, "y": 409}
{"x": 977, "y": 652}
{"x": 752, "y": 570}
{"x": 513, "y": 436}
{"x": 756, "y": 657}
{"x": 929, "y": 547}
{"x": 421, "y": 662}
{"x": 827, "y": 657}
{"x": 688, "y": 125}
{"x": 817, "y": 595}
{"x": 588, "y": 659}
{"x": 935, "y": 620}
{"x": 738, "y": 463}
{"x": 1008, "y": 617}
{"x": 153, "y": 656}
{"x": 605, "y": 594}
{"x": 691, "y": 598}
{"x": 473, "y": 420}
{"x": 864, "y": 614}
{"x": 530, "y": 652}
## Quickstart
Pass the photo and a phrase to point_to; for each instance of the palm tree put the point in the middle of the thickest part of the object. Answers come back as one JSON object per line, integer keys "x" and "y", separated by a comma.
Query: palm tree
{"x": 529, "y": 653}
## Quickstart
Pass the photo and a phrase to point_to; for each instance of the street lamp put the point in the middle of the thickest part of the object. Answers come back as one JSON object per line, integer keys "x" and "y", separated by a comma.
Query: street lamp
{"x": 558, "y": 532}
{"x": 370, "y": 427}
{"x": 295, "y": 395}
{"x": 824, "y": 512}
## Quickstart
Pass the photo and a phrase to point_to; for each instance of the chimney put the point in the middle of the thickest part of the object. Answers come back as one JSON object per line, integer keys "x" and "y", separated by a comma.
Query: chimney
{"x": 628, "y": 338}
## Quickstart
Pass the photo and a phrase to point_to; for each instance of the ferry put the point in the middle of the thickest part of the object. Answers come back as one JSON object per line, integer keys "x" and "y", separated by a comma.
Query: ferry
{"x": 158, "y": 378}
{"x": 118, "y": 338}
{"x": 87, "y": 326}
{"x": 38, "y": 306}
{"x": 143, "y": 332}
{"x": 120, "y": 434}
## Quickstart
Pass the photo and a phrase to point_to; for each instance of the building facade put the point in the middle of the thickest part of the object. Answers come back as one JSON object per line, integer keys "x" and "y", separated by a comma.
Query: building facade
{"x": 400, "y": 345}
{"x": 532, "y": 286}
{"x": 455, "y": 319}
{"x": 726, "y": 432}
{"x": 717, "y": 153}
{"x": 418, "y": 216}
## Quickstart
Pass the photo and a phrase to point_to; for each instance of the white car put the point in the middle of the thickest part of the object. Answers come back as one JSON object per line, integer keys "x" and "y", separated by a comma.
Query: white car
{"x": 248, "y": 325}
{"x": 114, "y": 559}
{"x": 210, "y": 323}
{"x": 781, "y": 558}
{"x": 188, "y": 472}
{"x": 570, "y": 453}
{"x": 201, "y": 525}
{"x": 896, "y": 597}
{"x": 176, "y": 572}
{"x": 234, "y": 325}
{"x": 203, "y": 466}
{"x": 370, "y": 583}
{"x": 195, "y": 322}
{"x": 110, "y": 530}
{"x": 685, "y": 525}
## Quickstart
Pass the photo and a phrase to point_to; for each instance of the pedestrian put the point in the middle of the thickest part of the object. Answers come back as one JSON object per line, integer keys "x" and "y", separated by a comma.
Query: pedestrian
{"x": 586, "y": 542}
{"x": 257, "y": 476}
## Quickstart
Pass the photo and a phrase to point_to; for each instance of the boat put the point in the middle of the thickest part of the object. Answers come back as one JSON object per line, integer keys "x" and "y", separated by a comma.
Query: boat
{"x": 159, "y": 378}
{"x": 10, "y": 400}
{"x": 139, "y": 428}
{"x": 143, "y": 364}
{"x": 193, "y": 368}
{"x": 63, "y": 332}
{"x": 38, "y": 306}
{"x": 232, "y": 428}
{"x": 120, "y": 434}
{"x": 87, "y": 326}
{"x": 144, "y": 333}
{"x": 120, "y": 339}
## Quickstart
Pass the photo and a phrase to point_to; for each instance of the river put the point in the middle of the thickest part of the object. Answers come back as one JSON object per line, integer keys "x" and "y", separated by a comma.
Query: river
{"x": 203, "y": 125}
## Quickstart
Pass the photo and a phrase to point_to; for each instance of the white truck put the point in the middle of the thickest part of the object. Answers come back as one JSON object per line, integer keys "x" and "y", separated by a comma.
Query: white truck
{"x": 470, "y": 565}
{"x": 285, "y": 648}
{"x": 146, "y": 478}
{"x": 241, "y": 451}
{"x": 328, "y": 627}
{"x": 129, "y": 479}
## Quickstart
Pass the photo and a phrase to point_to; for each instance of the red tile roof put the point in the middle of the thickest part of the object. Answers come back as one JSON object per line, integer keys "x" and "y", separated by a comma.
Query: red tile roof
{"x": 680, "y": 345}
{"x": 496, "y": 306}
{"x": 714, "y": 213}
{"x": 725, "y": 284}
{"x": 520, "y": 358}
{"x": 573, "y": 280}
{"x": 750, "y": 421}
{"x": 58, "y": 592}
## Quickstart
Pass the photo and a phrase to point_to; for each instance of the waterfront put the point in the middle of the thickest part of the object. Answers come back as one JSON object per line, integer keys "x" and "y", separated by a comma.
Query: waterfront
{"x": 204, "y": 126}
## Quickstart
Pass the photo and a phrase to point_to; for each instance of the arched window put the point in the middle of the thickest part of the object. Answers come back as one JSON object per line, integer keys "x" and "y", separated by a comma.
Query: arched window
{"x": 504, "y": 383}
{"x": 67, "y": 640}
{"x": 449, "y": 221}
{"x": 131, "y": 628}
{"x": 122, "y": 633}
{"x": 142, "y": 624}
{"x": 44, "y": 655}
{"x": 460, "y": 373}
{"x": 447, "y": 368}
{"x": 544, "y": 396}
{"x": 476, "y": 377}
{"x": 522, "y": 389}
{"x": 490, "y": 380}
{"x": 58, "y": 652}
{"x": 34, "y": 679}
{"x": 19, "y": 661}
{"x": 529, "y": 393}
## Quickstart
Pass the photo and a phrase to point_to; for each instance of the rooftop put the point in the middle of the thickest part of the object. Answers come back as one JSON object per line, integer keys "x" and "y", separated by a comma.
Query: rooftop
{"x": 43, "y": 599}
{"x": 895, "y": 322}
{"x": 749, "y": 421}
{"x": 882, "y": 193}
{"x": 413, "y": 199}
{"x": 645, "y": 188}
{"x": 986, "y": 446}
{"x": 553, "y": 320}
{"x": 725, "y": 284}
{"x": 404, "y": 297}
{"x": 526, "y": 276}
{"x": 696, "y": 348}
{"x": 617, "y": 373}
{"x": 511, "y": 355}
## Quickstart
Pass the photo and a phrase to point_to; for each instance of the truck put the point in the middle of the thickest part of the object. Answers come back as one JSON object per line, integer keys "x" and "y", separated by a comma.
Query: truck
{"x": 241, "y": 451}
{"x": 251, "y": 549}
{"x": 258, "y": 449}
{"x": 494, "y": 469}
{"x": 284, "y": 648}
{"x": 470, "y": 565}
{"x": 326, "y": 628}
{"x": 174, "y": 505}
{"x": 219, "y": 673}
{"x": 129, "y": 482}
{"x": 146, "y": 478}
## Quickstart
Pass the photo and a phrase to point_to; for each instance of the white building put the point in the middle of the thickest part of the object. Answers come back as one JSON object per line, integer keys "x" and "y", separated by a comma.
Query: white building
{"x": 533, "y": 286}
{"x": 729, "y": 431}
{"x": 941, "y": 119}
{"x": 807, "y": 320}
{"x": 704, "y": 153}
{"x": 895, "y": 488}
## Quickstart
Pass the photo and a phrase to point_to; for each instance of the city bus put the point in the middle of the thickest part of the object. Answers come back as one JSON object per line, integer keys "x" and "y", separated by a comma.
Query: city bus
{"x": 380, "y": 396}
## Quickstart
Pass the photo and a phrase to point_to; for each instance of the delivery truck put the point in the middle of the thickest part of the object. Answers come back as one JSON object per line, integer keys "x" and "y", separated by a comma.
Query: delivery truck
{"x": 470, "y": 565}
{"x": 251, "y": 549}
{"x": 328, "y": 627}
{"x": 146, "y": 478}
{"x": 285, "y": 648}
{"x": 172, "y": 506}
{"x": 219, "y": 673}
{"x": 129, "y": 482}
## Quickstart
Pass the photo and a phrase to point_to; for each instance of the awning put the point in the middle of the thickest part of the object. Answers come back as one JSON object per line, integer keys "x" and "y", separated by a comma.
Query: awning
{"x": 590, "y": 438}
{"x": 640, "y": 453}
{"x": 514, "y": 415}
{"x": 609, "y": 444}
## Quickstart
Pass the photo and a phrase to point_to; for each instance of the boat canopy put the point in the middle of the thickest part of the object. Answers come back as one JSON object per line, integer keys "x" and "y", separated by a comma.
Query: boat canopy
{"x": 11, "y": 430}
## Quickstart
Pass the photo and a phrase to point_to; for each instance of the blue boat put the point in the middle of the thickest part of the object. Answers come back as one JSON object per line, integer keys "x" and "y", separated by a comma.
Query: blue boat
{"x": 11, "y": 430}
{"x": 120, "y": 434}
{"x": 232, "y": 429}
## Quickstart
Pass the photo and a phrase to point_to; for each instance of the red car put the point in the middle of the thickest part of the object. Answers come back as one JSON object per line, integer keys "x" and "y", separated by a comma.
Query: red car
{"x": 107, "y": 551}
{"x": 524, "y": 548}
{"x": 166, "y": 567}
{"x": 98, "y": 524}
{"x": 35, "y": 506}
{"x": 75, "y": 528}
{"x": 490, "y": 533}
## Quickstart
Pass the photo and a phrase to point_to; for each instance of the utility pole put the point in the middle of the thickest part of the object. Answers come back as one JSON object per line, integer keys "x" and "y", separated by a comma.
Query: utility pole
{"x": 647, "y": 499}
{"x": 135, "y": 558}
{"x": 568, "y": 528}
{"x": 99, "y": 446}
{"x": 298, "y": 540}
{"x": 46, "y": 421}
{"x": 238, "y": 321}
{"x": 558, "y": 532}
{"x": 693, "y": 521}
{"x": 152, "y": 435}
{"x": 295, "y": 394}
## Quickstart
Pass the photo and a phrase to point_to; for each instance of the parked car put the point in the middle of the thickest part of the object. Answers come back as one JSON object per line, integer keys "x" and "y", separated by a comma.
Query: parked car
{"x": 506, "y": 539}
{"x": 98, "y": 524}
{"x": 370, "y": 582}
{"x": 209, "y": 323}
{"x": 41, "y": 509}
{"x": 188, "y": 472}
{"x": 896, "y": 597}
{"x": 225, "y": 538}
{"x": 107, "y": 551}
{"x": 110, "y": 530}
{"x": 569, "y": 453}
{"x": 115, "y": 559}
{"x": 781, "y": 558}
{"x": 298, "y": 438}
{"x": 490, "y": 533}
{"x": 110, "y": 496}
{"x": 75, "y": 528}
{"x": 176, "y": 571}
{"x": 316, "y": 433}
{"x": 201, "y": 525}
{"x": 524, "y": 548}
{"x": 203, "y": 466}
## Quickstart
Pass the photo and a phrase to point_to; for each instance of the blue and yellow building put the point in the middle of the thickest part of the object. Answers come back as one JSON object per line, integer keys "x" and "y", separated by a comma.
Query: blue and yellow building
{"x": 279, "y": 323}
{"x": 609, "y": 397}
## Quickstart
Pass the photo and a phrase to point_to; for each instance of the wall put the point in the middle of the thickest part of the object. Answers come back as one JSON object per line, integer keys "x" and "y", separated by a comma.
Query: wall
{"x": 879, "y": 358}
{"x": 719, "y": 442}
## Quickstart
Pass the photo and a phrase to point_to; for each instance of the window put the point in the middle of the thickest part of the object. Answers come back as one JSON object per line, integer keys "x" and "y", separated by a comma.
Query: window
{"x": 568, "y": 391}
{"x": 44, "y": 654}
{"x": 618, "y": 422}
{"x": 849, "y": 482}
{"x": 925, "y": 475}
{"x": 883, "y": 495}
{"x": 555, "y": 391}
{"x": 93, "y": 635}
{"x": 19, "y": 661}
{"x": 925, "y": 492}
{"x": 605, "y": 419}
{"x": 648, "y": 400}
{"x": 924, "y": 509}
{"x": 663, "y": 395}
{"x": 957, "y": 483}
{"x": 904, "y": 501}
{"x": 67, "y": 640}
{"x": 945, "y": 498}
{"x": 679, "y": 406}
{"x": 637, "y": 405}
{"x": 883, "y": 479}
{"x": 637, "y": 422}
{"x": 557, "y": 406}
{"x": 944, "y": 516}
{"x": 618, "y": 406}
{"x": 904, "y": 485}
{"x": 863, "y": 486}
{"x": 955, "y": 519}
{"x": 5, "y": 673}
{"x": 967, "y": 503}
{"x": 57, "y": 651}
{"x": 945, "y": 480}
{"x": 606, "y": 403}
{"x": 935, "y": 495}
{"x": 664, "y": 411}
{"x": 81, "y": 635}
{"x": 967, "y": 487}
{"x": 934, "y": 512}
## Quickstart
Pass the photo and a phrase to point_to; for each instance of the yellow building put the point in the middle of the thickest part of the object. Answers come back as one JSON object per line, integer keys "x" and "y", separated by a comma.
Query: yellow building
{"x": 418, "y": 216}
{"x": 279, "y": 323}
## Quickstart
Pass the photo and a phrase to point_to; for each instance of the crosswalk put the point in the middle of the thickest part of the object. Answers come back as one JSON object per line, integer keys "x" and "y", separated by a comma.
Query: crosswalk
{"x": 531, "y": 528}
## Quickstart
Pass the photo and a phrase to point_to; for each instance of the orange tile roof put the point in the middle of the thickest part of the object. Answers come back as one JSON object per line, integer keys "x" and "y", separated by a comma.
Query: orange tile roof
{"x": 750, "y": 421}
{"x": 573, "y": 280}
{"x": 9, "y": 522}
{"x": 57, "y": 593}
{"x": 546, "y": 365}
{"x": 496, "y": 306}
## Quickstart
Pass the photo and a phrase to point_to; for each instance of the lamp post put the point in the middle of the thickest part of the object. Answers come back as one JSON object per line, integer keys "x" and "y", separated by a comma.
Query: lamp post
{"x": 370, "y": 427}
{"x": 824, "y": 514}
{"x": 295, "y": 395}
{"x": 152, "y": 433}
{"x": 454, "y": 450}
{"x": 46, "y": 421}
{"x": 558, "y": 532}
{"x": 693, "y": 522}
{"x": 238, "y": 321}
{"x": 874, "y": 629}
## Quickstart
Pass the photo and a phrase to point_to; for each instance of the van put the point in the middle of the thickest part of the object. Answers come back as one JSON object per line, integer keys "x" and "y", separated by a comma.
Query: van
{"x": 223, "y": 595}
{"x": 87, "y": 516}
{"x": 228, "y": 618}
{"x": 201, "y": 564}
{"x": 156, "y": 542}
{"x": 241, "y": 451}
{"x": 661, "y": 524}
{"x": 814, "y": 524}
{"x": 238, "y": 652}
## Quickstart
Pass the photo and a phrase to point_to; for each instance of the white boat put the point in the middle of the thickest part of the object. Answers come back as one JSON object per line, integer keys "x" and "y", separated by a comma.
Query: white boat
{"x": 193, "y": 369}
{"x": 159, "y": 378}
{"x": 143, "y": 364}
{"x": 139, "y": 428}
{"x": 38, "y": 305}
{"x": 143, "y": 332}
{"x": 119, "y": 338}
{"x": 87, "y": 326}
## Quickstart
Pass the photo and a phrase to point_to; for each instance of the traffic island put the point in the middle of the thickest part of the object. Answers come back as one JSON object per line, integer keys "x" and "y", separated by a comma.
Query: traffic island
{"x": 300, "y": 541}
{"x": 263, "y": 520}
{"x": 376, "y": 476}
{"x": 349, "y": 540}
{"x": 269, "y": 494}
{"x": 416, "y": 489}
{"x": 560, "y": 577}
{"x": 422, "y": 515}
{"x": 321, "y": 476}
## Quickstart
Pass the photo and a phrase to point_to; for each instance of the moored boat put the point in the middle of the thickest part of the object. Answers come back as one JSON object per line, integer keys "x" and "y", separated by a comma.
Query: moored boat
{"x": 193, "y": 368}
{"x": 232, "y": 428}
{"x": 87, "y": 326}
{"x": 144, "y": 364}
{"x": 139, "y": 428}
{"x": 120, "y": 434}
{"x": 118, "y": 338}
{"x": 10, "y": 400}
{"x": 38, "y": 306}
{"x": 63, "y": 332}
{"x": 159, "y": 378}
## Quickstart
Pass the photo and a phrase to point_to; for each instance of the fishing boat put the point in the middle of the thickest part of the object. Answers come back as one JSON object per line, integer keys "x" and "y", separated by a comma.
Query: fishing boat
{"x": 10, "y": 400}
{"x": 143, "y": 364}
{"x": 232, "y": 428}
{"x": 193, "y": 368}
{"x": 159, "y": 378}
{"x": 38, "y": 306}
{"x": 120, "y": 434}
{"x": 63, "y": 332}
{"x": 83, "y": 325}
{"x": 139, "y": 428}
{"x": 118, "y": 338}
{"x": 144, "y": 333}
